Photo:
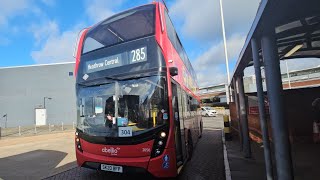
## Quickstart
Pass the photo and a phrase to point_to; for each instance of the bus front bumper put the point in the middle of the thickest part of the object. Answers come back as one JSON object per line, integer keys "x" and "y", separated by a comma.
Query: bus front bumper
{"x": 153, "y": 166}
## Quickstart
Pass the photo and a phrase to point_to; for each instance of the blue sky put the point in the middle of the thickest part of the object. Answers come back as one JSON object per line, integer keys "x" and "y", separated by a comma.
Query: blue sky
{"x": 44, "y": 31}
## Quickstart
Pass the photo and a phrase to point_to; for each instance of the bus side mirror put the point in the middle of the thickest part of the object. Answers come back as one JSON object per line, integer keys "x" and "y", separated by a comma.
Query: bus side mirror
{"x": 173, "y": 71}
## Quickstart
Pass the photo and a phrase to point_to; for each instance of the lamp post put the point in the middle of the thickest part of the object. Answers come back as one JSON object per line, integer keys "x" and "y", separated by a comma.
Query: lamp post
{"x": 44, "y": 107}
{"x": 6, "y": 116}
{"x": 288, "y": 75}
{"x": 44, "y": 101}
{"x": 225, "y": 50}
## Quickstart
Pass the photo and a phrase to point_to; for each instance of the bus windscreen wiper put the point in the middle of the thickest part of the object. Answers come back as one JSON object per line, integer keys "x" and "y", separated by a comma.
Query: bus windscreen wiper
{"x": 94, "y": 82}
{"x": 115, "y": 34}
{"x": 111, "y": 78}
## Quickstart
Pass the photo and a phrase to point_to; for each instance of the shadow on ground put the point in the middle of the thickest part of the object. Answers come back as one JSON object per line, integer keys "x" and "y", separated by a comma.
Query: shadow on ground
{"x": 31, "y": 165}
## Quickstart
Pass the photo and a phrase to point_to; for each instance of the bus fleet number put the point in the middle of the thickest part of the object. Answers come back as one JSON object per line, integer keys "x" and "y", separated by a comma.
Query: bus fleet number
{"x": 138, "y": 54}
{"x": 125, "y": 131}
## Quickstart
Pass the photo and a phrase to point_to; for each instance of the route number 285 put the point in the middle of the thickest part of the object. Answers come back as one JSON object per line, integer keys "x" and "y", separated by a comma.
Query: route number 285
{"x": 138, "y": 54}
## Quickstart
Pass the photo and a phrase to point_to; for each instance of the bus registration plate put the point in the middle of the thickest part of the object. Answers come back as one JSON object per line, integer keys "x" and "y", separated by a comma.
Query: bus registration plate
{"x": 111, "y": 168}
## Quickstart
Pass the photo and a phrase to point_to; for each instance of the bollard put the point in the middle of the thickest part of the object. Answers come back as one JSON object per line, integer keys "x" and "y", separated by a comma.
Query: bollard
{"x": 226, "y": 129}
{"x": 62, "y": 126}
{"x": 35, "y": 129}
{"x": 49, "y": 127}
{"x": 0, "y": 132}
{"x": 19, "y": 130}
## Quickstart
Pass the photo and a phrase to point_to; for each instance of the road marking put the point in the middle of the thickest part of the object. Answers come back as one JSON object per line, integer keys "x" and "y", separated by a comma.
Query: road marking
{"x": 225, "y": 157}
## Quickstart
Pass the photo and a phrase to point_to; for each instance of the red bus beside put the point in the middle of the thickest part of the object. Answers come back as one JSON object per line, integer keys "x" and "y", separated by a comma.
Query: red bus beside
{"x": 136, "y": 95}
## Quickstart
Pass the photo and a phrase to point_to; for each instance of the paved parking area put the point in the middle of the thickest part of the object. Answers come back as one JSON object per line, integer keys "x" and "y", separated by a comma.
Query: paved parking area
{"x": 52, "y": 156}
{"x": 36, "y": 157}
{"x": 305, "y": 158}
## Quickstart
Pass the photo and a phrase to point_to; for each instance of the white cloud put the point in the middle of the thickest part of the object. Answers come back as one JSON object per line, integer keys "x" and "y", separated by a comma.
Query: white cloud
{"x": 210, "y": 66}
{"x": 198, "y": 18}
{"x": 201, "y": 23}
{"x": 49, "y": 2}
{"x": 42, "y": 32}
{"x": 98, "y": 10}
{"x": 9, "y": 9}
{"x": 214, "y": 58}
{"x": 211, "y": 76}
{"x": 57, "y": 47}
{"x": 202, "y": 20}
{"x": 239, "y": 15}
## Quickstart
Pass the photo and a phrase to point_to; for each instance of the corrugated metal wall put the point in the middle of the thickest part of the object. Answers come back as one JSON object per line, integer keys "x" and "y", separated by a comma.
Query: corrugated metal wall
{"x": 22, "y": 89}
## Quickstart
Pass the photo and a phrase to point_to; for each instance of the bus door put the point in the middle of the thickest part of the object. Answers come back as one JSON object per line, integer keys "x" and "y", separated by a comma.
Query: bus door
{"x": 179, "y": 126}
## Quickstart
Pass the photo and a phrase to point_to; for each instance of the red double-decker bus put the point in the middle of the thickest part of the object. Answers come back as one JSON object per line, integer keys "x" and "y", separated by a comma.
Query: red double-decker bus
{"x": 136, "y": 95}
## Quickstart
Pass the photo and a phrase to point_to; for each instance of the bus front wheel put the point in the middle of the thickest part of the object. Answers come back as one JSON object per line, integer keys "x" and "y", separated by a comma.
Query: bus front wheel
{"x": 201, "y": 129}
{"x": 190, "y": 146}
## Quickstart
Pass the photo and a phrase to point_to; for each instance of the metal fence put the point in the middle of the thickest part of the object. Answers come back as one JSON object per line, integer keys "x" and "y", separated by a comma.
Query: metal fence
{"x": 35, "y": 130}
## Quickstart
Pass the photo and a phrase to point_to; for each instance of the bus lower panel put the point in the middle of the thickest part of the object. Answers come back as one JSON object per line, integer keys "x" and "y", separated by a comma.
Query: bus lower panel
{"x": 83, "y": 157}
{"x": 155, "y": 166}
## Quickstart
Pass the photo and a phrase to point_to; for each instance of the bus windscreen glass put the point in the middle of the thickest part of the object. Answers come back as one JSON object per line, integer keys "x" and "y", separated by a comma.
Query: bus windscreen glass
{"x": 136, "y": 105}
{"x": 140, "y": 21}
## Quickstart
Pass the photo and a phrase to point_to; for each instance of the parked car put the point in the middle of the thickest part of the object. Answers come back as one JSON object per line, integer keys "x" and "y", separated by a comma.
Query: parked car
{"x": 208, "y": 111}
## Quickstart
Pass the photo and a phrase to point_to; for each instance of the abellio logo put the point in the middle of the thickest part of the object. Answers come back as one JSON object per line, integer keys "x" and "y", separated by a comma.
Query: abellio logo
{"x": 111, "y": 150}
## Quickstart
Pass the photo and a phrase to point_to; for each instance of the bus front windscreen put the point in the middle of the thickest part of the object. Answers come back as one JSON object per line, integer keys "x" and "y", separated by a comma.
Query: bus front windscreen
{"x": 136, "y": 106}
{"x": 129, "y": 25}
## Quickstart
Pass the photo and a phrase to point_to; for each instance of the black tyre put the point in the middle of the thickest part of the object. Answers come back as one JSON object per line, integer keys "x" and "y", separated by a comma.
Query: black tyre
{"x": 190, "y": 146}
{"x": 201, "y": 129}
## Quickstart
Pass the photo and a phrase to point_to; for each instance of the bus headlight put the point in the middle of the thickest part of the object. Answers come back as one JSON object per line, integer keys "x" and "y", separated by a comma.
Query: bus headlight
{"x": 78, "y": 143}
{"x": 163, "y": 134}
{"x": 160, "y": 142}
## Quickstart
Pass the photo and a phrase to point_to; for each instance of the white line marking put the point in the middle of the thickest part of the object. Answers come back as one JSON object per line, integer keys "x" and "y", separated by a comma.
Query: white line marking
{"x": 225, "y": 157}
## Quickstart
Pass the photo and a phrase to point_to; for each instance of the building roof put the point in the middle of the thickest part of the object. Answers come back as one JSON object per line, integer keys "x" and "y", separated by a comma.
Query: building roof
{"x": 297, "y": 27}
{"x": 213, "y": 86}
{"x": 35, "y": 65}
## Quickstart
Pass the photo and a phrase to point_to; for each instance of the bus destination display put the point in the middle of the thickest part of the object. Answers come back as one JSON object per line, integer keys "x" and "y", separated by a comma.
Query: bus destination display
{"x": 117, "y": 60}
